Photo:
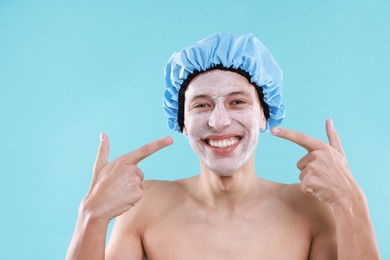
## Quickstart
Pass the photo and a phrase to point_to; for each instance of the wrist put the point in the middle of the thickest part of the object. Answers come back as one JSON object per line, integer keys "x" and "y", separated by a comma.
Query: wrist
{"x": 91, "y": 215}
{"x": 354, "y": 203}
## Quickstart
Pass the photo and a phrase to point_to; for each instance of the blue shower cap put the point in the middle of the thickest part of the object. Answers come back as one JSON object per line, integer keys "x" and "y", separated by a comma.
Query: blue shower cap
{"x": 244, "y": 52}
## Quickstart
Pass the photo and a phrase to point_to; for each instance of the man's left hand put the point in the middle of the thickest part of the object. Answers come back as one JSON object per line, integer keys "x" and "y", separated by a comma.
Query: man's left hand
{"x": 324, "y": 169}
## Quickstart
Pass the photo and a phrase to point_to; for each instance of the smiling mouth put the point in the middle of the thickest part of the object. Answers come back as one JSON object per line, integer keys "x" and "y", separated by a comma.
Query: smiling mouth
{"x": 223, "y": 143}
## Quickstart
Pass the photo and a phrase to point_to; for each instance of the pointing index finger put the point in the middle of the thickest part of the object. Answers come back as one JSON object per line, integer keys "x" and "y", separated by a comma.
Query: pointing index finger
{"x": 305, "y": 141}
{"x": 141, "y": 153}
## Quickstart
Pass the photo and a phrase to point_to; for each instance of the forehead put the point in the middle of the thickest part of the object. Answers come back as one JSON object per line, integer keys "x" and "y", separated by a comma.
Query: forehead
{"x": 219, "y": 83}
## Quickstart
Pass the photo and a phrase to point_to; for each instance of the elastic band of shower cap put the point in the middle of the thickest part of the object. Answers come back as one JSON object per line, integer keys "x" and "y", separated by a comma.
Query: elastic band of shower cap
{"x": 244, "y": 54}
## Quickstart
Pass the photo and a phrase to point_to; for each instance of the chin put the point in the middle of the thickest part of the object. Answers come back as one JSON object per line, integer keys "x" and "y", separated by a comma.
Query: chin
{"x": 227, "y": 166}
{"x": 223, "y": 171}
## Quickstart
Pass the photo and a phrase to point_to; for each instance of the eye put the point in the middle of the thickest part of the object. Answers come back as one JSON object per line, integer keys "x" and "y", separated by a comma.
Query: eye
{"x": 238, "y": 102}
{"x": 200, "y": 105}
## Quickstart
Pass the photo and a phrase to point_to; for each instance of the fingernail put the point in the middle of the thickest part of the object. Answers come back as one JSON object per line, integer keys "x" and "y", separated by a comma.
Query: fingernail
{"x": 275, "y": 131}
{"x": 331, "y": 123}
{"x": 101, "y": 137}
{"x": 168, "y": 140}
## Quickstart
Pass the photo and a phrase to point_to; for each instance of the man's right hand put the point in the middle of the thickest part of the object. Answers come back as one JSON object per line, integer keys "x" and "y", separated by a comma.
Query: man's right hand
{"x": 117, "y": 186}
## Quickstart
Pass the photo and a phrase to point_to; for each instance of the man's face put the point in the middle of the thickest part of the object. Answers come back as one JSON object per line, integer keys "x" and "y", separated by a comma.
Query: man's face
{"x": 222, "y": 119}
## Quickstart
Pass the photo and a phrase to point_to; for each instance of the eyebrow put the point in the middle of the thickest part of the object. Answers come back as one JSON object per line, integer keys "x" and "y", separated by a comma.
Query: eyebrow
{"x": 234, "y": 93}
{"x": 198, "y": 97}
{"x": 237, "y": 93}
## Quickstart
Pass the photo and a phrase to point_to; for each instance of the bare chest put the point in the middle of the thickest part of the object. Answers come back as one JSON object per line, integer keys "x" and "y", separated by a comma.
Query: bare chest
{"x": 261, "y": 236}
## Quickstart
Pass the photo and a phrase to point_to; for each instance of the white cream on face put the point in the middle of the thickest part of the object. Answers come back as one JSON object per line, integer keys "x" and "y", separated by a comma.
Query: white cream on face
{"x": 222, "y": 119}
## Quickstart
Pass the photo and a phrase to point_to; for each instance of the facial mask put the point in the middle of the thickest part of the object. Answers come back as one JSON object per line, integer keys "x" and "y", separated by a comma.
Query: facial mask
{"x": 222, "y": 120}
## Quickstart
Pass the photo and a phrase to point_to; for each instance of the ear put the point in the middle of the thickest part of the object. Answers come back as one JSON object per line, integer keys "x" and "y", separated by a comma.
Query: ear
{"x": 263, "y": 121}
{"x": 185, "y": 131}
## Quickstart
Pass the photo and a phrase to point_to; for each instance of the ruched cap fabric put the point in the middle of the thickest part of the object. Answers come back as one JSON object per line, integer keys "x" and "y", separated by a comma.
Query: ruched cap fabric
{"x": 244, "y": 52}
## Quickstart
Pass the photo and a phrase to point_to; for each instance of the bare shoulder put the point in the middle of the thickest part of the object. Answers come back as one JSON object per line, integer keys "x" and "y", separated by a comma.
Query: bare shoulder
{"x": 158, "y": 198}
{"x": 314, "y": 216}
{"x": 320, "y": 216}
{"x": 127, "y": 234}
{"x": 296, "y": 204}
{"x": 306, "y": 204}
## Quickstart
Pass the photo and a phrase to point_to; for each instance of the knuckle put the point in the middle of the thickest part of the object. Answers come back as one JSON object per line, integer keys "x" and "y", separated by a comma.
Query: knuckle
{"x": 141, "y": 175}
{"x": 119, "y": 166}
{"x": 301, "y": 176}
{"x": 134, "y": 193}
{"x": 327, "y": 148}
{"x": 310, "y": 167}
{"x": 130, "y": 171}
{"x": 122, "y": 167}
{"x": 140, "y": 191}
{"x": 299, "y": 165}
{"x": 300, "y": 138}
{"x": 146, "y": 149}
{"x": 302, "y": 162}
{"x": 133, "y": 187}
{"x": 124, "y": 170}
{"x": 303, "y": 187}
{"x": 137, "y": 179}
{"x": 319, "y": 156}
{"x": 132, "y": 168}
{"x": 315, "y": 154}
{"x": 116, "y": 167}
{"x": 304, "y": 173}
{"x": 309, "y": 181}
{"x": 101, "y": 149}
{"x": 137, "y": 195}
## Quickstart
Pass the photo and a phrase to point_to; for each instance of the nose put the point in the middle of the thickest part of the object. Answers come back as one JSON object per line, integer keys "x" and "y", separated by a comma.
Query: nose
{"x": 219, "y": 118}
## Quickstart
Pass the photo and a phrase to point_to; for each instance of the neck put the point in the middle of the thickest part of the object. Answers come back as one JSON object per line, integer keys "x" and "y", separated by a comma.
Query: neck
{"x": 229, "y": 192}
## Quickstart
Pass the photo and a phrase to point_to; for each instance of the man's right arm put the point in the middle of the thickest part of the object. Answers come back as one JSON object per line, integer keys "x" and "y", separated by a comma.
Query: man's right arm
{"x": 88, "y": 241}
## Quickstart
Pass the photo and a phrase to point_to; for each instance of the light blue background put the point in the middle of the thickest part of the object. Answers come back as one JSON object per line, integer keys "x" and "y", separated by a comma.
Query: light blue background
{"x": 71, "y": 69}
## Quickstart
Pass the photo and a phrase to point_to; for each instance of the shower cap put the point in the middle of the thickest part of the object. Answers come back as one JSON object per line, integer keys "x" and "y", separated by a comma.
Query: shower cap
{"x": 242, "y": 53}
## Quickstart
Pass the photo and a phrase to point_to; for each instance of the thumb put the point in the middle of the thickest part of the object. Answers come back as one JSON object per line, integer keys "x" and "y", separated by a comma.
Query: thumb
{"x": 102, "y": 155}
{"x": 333, "y": 137}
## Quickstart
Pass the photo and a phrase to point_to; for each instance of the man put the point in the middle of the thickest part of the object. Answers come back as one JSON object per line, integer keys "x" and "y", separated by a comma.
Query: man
{"x": 220, "y": 93}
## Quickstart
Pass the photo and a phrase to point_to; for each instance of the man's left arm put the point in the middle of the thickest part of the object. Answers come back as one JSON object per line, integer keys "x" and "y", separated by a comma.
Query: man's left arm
{"x": 326, "y": 175}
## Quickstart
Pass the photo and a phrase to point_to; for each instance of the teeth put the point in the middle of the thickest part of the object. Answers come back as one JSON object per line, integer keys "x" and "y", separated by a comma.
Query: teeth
{"x": 223, "y": 143}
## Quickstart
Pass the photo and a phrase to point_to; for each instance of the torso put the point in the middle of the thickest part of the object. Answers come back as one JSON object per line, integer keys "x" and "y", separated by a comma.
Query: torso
{"x": 173, "y": 224}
